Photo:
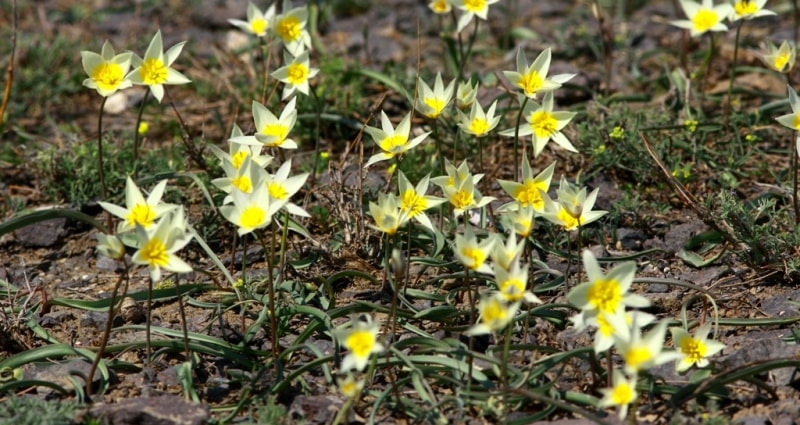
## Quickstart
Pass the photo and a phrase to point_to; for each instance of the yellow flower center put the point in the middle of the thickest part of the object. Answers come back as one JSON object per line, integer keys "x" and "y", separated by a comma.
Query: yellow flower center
{"x": 436, "y": 106}
{"x": 528, "y": 194}
{"x": 781, "y": 60}
{"x": 238, "y": 158}
{"x": 153, "y": 72}
{"x": 277, "y": 191}
{"x": 604, "y": 326}
{"x": 412, "y": 202}
{"x": 474, "y": 257}
{"x": 462, "y": 199}
{"x": 543, "y": 124}
{"x": 704, "y": 20}
{"x": 441, "y": 6}
{"x": 623, "y": 394}
{"x": 605, "y": 295}
{"x": 360, "y": 342}
{"x": 637, "y": 357}
{"x": 474, "y": 6}
{"x": 523, "y": 227}
{"x": 530, "y": 83}
{"x": 155, "y": 253}
{"x": 142, "y": 215}
{"x": 289, "y": 28}
{"x": 393, "y": 144}
{"x": 512, "y": 289}
{"x": 252, "y": 217}
{"x": 108, "y": 75}
{"x": 258, "y": 26}
{"x": 745, "y": 7}
{"x": 278, "y": 131}
{"x": 243, "y": 183}
{"x": 568, "y": 221}
{"x": 349, "y": 388}
{"x": 478, "y": 126}
{"x": 297, "y": 73}
{"x": 694, "y": 349}
{"x": 494, "y": 314}
{"x": 796, "y": 122}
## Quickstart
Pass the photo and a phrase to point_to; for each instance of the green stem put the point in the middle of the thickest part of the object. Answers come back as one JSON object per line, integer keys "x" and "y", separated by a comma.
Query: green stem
{"x": 439, "y": 151}
{"x": 389, "y": 277}
{"x": 149, "y": 349}
{"x": 466, "y": 55}
{"x": 136, "y": 134}
{"x": 471, "y": 340}
{"x": 707, "y": 63}
{"x": 273, "y": 323}
{"x": 504, "y": 368}
{"x": 796, "y": 18}
{"x": 516, "y": 139}
{"x": 185, "y": 330}
{"x": 265, "y": 47}
{"x": 318, "y": 118}
{"x": 732, "y": 76}
{"x": 793, "y": 153}
{"x": 103, "y": 189}
{"x": 113, "y": 310}
{"x": 284, "y": 238}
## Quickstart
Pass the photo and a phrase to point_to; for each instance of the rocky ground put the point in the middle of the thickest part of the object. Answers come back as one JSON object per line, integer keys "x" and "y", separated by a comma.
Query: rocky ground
{"x": 56, "y": 259}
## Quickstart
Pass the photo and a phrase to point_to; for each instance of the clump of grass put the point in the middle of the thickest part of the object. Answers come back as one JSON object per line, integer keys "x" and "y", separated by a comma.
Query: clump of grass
{"x": 27, "y": 410}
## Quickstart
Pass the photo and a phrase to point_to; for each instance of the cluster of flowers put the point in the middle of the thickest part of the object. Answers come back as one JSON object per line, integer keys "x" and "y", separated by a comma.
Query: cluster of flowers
{"x": 109, "y": 72}
{"x": 254, "y": 195}
{"x": 156, "y": 229}
{"x": 290, "y": 29}
{"x": 603, "y": 301}
{"x": 706, "y": 17}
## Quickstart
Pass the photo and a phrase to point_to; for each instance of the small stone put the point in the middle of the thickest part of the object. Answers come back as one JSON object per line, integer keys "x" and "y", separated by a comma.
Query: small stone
{"x": 131, "y": 311}
{"x": 320, "y": 409}
{"x": 116, "y": 104}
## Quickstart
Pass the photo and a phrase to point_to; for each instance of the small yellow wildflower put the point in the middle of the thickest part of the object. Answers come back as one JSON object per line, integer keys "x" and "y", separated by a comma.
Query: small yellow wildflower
{"x": 703, "y": 17}
{"x": 361, "y": 338}
{"x": 694, "y": 350}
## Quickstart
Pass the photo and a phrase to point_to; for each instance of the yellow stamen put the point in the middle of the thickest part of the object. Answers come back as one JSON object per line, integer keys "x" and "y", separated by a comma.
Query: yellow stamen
{"x": 108, "y": 75}
{"x": 153, "y": 72}
{"x": 704, "y": 20}
{"x": 252, "y": 217}
{"x": 141, "y": 214}
{"x": 155, "y": 253}
{"x": 605, "y": 295}
{"x": 543, "y": 124}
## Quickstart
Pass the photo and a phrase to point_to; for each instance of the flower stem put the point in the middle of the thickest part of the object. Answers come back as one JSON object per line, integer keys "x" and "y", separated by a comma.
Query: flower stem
{"x": 318, "y": 117}
{"x": 148, "y": 350}
{"x": 732, "y": 76}
{"x": 273, "y": 322}
{"x": 113, "y": 310}
{"x": 136, "y": 135}
{"x": 103, "y": 189}
{"x": 516, "y": 139}
{"x": 793, "y": 154}
{"x": 504, "y": 368}
{"x": 267, "y": 58}
{"x": 182, "y": 312}
{"x": 707, "y": 63}
{"x": 471, "y": 42}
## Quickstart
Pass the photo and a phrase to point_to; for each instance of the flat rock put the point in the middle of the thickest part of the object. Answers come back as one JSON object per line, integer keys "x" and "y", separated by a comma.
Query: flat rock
{"x": 783, "y": 305}
{"x": 43, "y": 234}
{"x": 59, "y": 373}
{"x": 161, "y": 410}
{"x": 318, "y": 409}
